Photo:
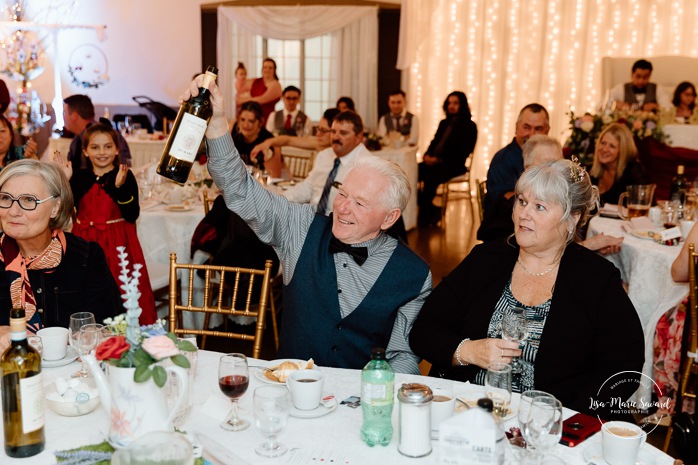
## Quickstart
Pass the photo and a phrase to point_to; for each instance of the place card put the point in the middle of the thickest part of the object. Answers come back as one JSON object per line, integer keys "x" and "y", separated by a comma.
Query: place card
{"x": 671, "y": 233}
{"x": 468, "y": 438}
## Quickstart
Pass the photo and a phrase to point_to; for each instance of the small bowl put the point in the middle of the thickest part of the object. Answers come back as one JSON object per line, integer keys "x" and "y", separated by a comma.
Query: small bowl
{"x": 82, "y": 406}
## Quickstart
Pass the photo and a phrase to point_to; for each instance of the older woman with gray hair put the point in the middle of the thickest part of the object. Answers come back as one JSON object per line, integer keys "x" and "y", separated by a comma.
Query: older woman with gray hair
{"x": 48, "y": 272}
{"x": 583, "y": 328}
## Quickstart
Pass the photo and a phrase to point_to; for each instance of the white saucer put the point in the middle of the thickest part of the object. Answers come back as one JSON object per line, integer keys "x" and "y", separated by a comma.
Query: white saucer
{"x": 594, "y": 453}
{"x": 320, "y": 411}
{"x": 70, "y": 356}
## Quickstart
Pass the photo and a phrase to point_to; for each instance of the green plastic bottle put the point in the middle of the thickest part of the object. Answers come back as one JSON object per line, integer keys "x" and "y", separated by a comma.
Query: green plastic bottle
{"x": 377, "y": 383}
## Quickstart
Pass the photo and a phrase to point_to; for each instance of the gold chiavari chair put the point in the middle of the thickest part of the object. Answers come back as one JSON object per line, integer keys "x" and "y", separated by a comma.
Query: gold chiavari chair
{"x": 298, "y": 165}
{"x": 208, "y": 203}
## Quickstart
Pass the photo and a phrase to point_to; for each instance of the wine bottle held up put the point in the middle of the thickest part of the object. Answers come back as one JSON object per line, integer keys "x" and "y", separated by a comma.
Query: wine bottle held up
{"x": 188, "y": 133}
{"x": 22, "y": 392}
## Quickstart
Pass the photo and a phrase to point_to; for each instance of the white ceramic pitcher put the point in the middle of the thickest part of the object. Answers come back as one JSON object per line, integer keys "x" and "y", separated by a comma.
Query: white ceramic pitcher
{"x": 135, "y": 408}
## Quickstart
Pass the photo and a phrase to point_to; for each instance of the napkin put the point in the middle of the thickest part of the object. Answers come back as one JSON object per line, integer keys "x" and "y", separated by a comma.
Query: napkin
{"x": 609, "y": 210}
{"x": 642, "y": 222}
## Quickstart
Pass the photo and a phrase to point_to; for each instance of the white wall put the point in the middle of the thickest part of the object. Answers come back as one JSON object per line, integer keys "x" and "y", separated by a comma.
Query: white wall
{"x": 153, "y": 47}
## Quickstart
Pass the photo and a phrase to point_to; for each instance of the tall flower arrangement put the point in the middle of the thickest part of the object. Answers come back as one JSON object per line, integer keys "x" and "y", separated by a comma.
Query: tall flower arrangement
{"x": 138, "y": 346}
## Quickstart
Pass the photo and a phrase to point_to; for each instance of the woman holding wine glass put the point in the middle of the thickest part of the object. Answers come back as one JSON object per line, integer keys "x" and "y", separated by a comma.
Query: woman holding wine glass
{"x": 582, "y": 327}
{"x": 233, "y": 380}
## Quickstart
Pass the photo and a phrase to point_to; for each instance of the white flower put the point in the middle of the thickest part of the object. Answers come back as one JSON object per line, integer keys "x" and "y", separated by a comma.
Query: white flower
{"x": 587, "y": 126}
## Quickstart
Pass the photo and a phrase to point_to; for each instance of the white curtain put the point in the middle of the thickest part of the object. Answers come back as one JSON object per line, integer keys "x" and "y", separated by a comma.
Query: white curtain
{"x": 355, "y": 41}
{"x": 507, "y": 54}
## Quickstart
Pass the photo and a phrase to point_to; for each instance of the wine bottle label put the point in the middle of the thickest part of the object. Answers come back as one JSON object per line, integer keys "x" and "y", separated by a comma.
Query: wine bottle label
{"x": 188, "y": 138}
{"x": 31, "y": 394}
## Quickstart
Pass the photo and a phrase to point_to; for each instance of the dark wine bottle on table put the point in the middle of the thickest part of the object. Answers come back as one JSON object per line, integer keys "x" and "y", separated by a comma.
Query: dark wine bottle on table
{"x": 22, "y": 392}
{"x": 679, "y": 185}
{"x": 187, "y": 133}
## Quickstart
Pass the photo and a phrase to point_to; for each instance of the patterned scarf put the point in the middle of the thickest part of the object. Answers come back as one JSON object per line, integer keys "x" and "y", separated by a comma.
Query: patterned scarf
{"x": 17, "y": 267}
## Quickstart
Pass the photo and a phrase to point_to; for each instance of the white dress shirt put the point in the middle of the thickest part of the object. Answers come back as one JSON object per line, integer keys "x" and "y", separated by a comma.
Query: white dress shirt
{"x": 663, "y": 99}
{"x": 310, "y": 189}
{"x": 382, "y": 131}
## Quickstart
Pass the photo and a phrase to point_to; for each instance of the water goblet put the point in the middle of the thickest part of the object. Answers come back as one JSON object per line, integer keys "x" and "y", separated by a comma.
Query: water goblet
{"x": 498, "y": 387}
{"x": 35, "y": 342}
{"x": 233, "y": 380}
{"x": 515, "y": 328}
{"x": 543, "y": 427}
{"x": 89, "y": 337}
{"x": 271, "y": 406}
{"x": 77, "y": 321}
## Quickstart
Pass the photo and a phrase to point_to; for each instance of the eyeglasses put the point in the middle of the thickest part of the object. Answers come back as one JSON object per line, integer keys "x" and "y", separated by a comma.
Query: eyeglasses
{"x": 25, "y": 202}
{"x": 322, "y": 131}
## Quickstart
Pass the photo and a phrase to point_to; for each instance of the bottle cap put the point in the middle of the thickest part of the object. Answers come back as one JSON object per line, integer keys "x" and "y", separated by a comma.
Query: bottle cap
{"x": 414, "y": 393}
{"x": 486, "y": 404}
{"x": 680, "y": 169}
{"x": 377, "y": 352}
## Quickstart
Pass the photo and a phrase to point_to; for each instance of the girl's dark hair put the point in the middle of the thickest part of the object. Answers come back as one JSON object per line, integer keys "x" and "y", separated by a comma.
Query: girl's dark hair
{"x": 241, "y": 65}
{"x": 11, "y": 150}
{"x": 348, "y": 102}
{"x": 329, "y": 115}
{"x": 680, "y": 89}
{"x": 463, "y": 109}
{"x": 253, "y": 107}
{"x": 100, "y": 128}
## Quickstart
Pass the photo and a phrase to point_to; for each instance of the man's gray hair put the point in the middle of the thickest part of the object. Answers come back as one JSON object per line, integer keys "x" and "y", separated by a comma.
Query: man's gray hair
{"x": 539, "y": 142}
{"x": 567, "y": 184}
{"x": 53, "y": 179}
{"x": 398, "y": 190}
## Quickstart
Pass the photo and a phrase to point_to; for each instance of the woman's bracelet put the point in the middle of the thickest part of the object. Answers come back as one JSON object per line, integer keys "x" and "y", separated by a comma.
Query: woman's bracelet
{"x": 461, "y": 362}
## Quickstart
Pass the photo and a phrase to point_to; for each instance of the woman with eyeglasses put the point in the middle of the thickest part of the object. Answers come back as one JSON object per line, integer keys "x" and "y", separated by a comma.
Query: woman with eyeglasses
{"x": 43, "y": 269}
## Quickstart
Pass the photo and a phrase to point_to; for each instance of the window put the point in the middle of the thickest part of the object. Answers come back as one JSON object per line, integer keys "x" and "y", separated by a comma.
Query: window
{"x": 306, "y": 65}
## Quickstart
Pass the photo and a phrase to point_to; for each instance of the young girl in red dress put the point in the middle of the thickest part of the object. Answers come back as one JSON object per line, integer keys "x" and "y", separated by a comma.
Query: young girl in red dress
{"x": 106, "y": 198}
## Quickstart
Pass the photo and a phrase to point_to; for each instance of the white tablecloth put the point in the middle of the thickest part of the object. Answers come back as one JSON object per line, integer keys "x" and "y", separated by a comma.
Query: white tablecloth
{"x": 143, "y": 151}
{"x": 646, "y": 266}
{"x": 161, "y": 232}
{"x": 337, "y": 432}
{"x": 406, "y": 157}
{"x": 682, "y": 135}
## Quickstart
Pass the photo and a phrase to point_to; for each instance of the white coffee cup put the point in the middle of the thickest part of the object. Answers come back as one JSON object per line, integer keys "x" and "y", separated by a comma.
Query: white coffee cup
{"x": 442, "y": 407}
{"x": 55, "y": 342}
{"x": 306, "y": 388}
{"x": 686, "y": 227}
{"x": 621, "y": 442}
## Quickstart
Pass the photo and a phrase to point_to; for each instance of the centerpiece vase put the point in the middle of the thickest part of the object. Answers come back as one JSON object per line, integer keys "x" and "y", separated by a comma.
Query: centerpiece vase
{"x": 135, "y": 408}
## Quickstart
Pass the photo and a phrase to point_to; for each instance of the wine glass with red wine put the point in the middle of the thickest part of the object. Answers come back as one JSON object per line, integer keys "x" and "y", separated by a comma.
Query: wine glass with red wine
{"x": 233, "y": 379}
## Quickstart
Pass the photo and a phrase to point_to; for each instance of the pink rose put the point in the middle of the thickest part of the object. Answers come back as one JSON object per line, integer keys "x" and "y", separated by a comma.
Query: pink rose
{"x": 160, "y": 347}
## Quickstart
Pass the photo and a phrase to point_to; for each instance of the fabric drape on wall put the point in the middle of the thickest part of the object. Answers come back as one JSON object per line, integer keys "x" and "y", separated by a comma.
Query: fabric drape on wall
{"x": 355, "y": 38}
{"x": 507, "y": 54}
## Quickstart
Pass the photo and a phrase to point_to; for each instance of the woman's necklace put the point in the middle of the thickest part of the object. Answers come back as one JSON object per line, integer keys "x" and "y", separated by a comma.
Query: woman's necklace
{"x": 542, "y": 273}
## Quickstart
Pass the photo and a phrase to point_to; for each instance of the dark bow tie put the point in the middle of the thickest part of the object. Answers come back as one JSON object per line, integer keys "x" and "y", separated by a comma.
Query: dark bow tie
{"x": 359, "y": 254}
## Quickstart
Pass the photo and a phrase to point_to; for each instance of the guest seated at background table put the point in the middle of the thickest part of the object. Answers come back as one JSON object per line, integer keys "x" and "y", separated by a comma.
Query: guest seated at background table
{"x": 684, "y": 102}
{"x": 318, "y": 142}
{"x": 399, "y": 119}
{"x": 345, "y": 104}
{"x": 615, "y": 164}
{"x": 498, "y": 224}
{"x": 582, "y": 326}
{"x": 265, "y": 90}
{"x": 106, "y": 198}
{"x": 8, "y": 152}
{"x": 248, "y": 132}
{"x": 445, "y": 157}
{"x": 79, "y": 113}
{"x": 291, "y": 120}
{"x": 242, "y": 92}
{"x": 640, "y": 93}
{"x": 353, "y": 287}
{"x": 48, "y": 272}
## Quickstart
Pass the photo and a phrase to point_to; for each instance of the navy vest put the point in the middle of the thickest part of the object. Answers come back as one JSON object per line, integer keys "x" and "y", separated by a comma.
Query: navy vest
{"x": 312, "y": 325}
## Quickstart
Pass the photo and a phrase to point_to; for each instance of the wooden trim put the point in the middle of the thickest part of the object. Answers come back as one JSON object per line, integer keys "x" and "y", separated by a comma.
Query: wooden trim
{"x": 381, "y": 5}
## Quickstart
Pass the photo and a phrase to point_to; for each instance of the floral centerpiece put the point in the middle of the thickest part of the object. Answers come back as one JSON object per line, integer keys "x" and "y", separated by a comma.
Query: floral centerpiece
{"x": 586, "y": 129}
{"x": 373, "y": 141}
{"x": 142, "y": 347}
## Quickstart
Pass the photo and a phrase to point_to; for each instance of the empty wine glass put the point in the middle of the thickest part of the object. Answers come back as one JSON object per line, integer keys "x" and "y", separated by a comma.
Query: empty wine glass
{"x": 89, "y": 337}
{"x": 498, "y": 387}
{"x": 77, "y": 321}
{"x": 515, "y": 329}
{"x": 271, "y": 406}
{"x": 543, "y": 428}
{"x": 233, "y": 379}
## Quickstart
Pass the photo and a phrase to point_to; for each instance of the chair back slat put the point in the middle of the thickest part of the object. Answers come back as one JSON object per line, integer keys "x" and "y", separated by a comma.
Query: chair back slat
{"x": 690, "y": 366}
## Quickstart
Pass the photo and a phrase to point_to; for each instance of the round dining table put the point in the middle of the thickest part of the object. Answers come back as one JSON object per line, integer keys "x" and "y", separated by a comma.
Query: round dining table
{"x": 333, "y": 437}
